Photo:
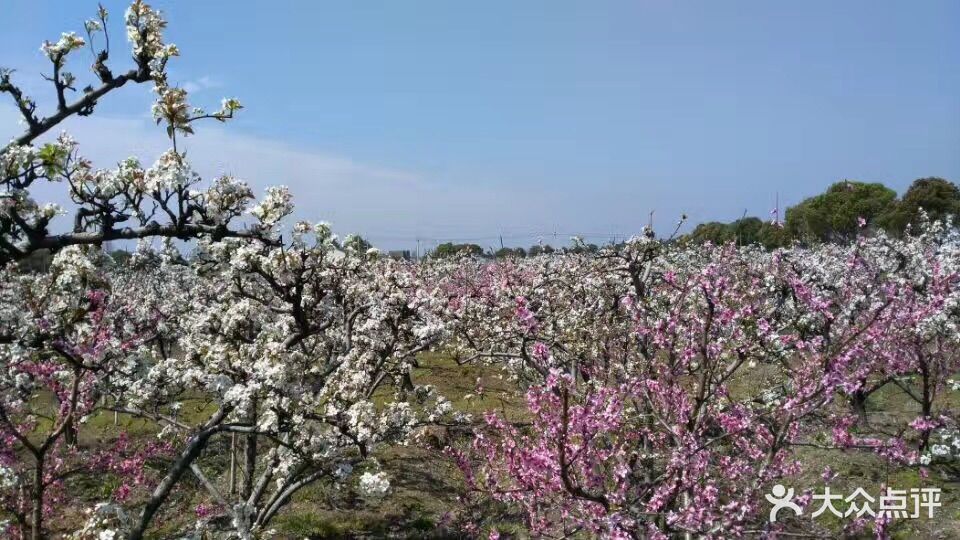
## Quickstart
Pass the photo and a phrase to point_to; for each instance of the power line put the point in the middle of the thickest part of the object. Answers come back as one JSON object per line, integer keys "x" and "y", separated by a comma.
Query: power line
{"x": 496, "y": 238}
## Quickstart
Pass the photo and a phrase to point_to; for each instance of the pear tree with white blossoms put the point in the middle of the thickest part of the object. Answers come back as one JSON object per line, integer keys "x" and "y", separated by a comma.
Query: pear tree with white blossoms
{"x": 129, "y": 201}
{"x": 303, "y": 350}
{"x": 65, "y": 334}
{"x": 292, "y": 352}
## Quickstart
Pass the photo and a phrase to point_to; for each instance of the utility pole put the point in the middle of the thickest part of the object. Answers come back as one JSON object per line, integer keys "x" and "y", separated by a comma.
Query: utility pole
{"x": 776, "y": 210}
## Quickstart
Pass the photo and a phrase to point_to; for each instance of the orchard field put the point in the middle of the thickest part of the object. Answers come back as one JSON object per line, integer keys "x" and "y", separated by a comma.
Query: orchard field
{"x": 245, "y": 375}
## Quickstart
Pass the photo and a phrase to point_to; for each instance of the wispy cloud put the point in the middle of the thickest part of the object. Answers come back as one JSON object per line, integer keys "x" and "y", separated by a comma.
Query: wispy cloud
{"x": 201, "y": 84}
{"x": 378, "y": 201}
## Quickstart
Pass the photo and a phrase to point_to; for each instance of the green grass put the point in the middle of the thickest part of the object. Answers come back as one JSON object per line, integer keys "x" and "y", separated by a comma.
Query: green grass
{"x": 426, "y": 484}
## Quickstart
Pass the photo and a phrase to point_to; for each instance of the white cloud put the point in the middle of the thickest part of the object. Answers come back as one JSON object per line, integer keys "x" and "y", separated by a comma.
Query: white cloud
{"x": 389, "y": 205}
{"x": 198, "y": 85}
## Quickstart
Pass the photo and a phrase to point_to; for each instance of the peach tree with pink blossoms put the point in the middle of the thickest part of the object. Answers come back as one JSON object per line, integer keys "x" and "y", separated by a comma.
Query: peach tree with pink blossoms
{"x": 64, "y": 334}
{"x": 667, "y": 387}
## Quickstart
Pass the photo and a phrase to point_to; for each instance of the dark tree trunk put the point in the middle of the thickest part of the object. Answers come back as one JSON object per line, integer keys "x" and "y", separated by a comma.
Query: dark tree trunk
{"x": 249, "y": 455}
{"x": 36, "y": 496}
{"x": 858, "y": 401}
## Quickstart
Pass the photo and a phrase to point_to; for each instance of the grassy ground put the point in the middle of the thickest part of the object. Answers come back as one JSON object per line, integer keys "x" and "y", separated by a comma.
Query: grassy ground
{"x": 887, "y": 410}
{"x": 426, "y": 483}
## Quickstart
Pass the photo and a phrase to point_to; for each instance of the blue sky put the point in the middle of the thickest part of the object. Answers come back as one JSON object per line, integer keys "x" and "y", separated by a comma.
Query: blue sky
{"x": 474, "y": 120}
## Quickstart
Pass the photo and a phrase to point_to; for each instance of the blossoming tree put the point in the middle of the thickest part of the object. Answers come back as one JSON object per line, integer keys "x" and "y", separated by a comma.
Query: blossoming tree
{"x": 127, "y": 202}
{"x": 667, "y": 386}
{"x": 298, "y": 347}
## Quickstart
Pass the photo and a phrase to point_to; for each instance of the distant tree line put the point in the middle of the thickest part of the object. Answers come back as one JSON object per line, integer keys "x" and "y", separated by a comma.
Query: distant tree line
{"x": 450, "y": 249}
{"x": 834, "y": 216}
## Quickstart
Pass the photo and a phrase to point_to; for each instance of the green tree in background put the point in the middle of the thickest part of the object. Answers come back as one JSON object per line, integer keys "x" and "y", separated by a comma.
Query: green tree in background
{"x": 449, "y": 249}
{"x": 745, "y": 231}
{"x": 773, "y": 235}
{"x": 833, "y": 216}
{"x": 714, "y": 232}
{"x": 939, "y": 198}
{"x": 357, "y": 243}
{"x": 538, "y": 249}
{"x": 506, "y": 253}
